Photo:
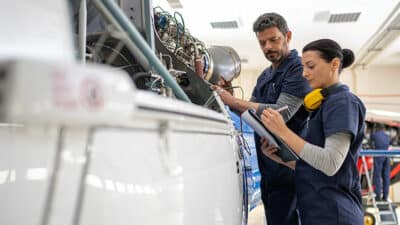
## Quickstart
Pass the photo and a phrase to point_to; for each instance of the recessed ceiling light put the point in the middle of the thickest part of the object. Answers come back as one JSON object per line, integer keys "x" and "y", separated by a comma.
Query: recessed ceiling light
{"x": 344, "y": 17}
{"x": 225, "y": 25}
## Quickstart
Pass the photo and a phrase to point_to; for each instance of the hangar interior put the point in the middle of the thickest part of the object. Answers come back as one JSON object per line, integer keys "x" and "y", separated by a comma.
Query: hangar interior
{"x": 118, "y": 122}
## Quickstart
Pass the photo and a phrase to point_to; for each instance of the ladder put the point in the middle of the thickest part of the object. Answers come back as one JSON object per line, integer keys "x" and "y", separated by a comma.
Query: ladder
{"x": 386, "y": 213}
{"x": 384, "y": 209}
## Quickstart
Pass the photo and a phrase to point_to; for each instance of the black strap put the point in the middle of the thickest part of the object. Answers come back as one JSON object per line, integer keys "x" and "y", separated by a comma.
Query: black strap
{"x": 331, "y": 89}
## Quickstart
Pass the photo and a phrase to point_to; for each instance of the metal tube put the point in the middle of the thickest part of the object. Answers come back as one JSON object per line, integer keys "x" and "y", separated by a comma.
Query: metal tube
{"x": 375, "y": 152}
{"x": 381, "y": 33}
{"x": 369, "y": 183}
{"x": 135, "y": 36}
{"x": 82, "y": 30}
{"x": 148, "y": 24}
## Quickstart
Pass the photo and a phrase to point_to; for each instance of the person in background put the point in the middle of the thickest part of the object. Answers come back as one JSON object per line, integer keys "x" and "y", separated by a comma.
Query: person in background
{"x": 326, "y": 176}
{"x": 278, "y": 85}
{"x": 381, "y": 141}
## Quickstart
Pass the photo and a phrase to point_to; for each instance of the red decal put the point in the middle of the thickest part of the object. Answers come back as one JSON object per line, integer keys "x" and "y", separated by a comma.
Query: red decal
{"x": 91, "y": 94}
{"x": 62, "y": 96}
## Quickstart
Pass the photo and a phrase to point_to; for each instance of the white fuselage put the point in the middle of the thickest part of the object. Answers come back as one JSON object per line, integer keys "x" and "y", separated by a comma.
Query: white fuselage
{"x": 79, "y": 145}
{"x": 138, "y": 158}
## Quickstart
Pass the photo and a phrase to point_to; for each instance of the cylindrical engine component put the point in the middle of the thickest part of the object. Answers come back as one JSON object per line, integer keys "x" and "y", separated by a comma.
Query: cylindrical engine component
{"x": 225, "y": 62}
{"x": 198, "y": 65}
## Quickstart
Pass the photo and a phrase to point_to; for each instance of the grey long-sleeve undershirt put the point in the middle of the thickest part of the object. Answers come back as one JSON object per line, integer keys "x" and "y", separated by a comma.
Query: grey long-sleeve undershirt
{"x": 291, "y": 101}
{"x": 329, "y": 159}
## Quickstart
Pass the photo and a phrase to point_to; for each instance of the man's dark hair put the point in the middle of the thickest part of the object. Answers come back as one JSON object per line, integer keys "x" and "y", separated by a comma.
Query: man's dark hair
{"x": 380, "y": 126}
{"x": 268, "y": 20}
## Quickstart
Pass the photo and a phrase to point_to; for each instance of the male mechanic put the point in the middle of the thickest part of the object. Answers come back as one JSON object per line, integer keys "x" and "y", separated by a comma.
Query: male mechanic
{"x": 278, "y": 85}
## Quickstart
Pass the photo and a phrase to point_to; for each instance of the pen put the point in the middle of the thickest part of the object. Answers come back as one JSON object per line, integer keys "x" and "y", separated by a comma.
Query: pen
{"x": 282, "y": 108}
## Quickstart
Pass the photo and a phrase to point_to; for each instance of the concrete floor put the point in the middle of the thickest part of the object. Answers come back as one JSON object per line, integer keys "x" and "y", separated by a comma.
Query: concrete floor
{"x": 256, "y": 216}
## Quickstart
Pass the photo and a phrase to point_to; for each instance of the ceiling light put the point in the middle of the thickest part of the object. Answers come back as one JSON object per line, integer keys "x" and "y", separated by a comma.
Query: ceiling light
{"x": 225, "y": 25}
{"x": 344, "y": 17}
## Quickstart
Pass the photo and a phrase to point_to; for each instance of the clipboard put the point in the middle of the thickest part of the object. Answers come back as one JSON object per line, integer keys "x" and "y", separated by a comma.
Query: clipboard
{"x": 284, "y": 151}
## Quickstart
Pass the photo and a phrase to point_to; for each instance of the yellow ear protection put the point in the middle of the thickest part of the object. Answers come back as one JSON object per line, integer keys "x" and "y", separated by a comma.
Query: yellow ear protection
{"x": 314, "y": 99}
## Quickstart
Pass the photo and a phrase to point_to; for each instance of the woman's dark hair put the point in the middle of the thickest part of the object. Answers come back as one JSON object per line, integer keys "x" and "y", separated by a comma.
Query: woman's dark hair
{"x": 268, "y": 20}
{"x": 330, "y": 49}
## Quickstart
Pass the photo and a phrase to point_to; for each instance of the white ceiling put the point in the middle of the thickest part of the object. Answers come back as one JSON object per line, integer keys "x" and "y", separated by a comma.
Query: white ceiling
{"x": 300, "y": 17}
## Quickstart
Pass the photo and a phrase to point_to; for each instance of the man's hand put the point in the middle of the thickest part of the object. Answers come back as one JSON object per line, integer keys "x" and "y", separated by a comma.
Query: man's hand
{"x": 226, "y": 97}
{"x": 227, "y": 85}
{"x": 234, "y": 103}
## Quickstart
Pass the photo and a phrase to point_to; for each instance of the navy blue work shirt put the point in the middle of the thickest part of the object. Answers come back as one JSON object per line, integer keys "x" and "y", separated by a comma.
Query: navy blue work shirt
{"x": 381, "y": 140}
{"x": 333, "y": 200}
{"x": 287, "y": 78}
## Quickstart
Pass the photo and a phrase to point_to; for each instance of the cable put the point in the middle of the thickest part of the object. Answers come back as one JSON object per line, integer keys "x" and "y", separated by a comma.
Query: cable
{"x": 159, "y": 7}
{"x": 170, "y": 65}
{"x": 137, "y": 75}
{"x": 182, "y": 20}
{"x": 246, "y": 144}
{"x": 210, "y": 100}
{"x": 242, "y": 92}
{"x": 154, "y": 81}
{"x": 178, "y": 28}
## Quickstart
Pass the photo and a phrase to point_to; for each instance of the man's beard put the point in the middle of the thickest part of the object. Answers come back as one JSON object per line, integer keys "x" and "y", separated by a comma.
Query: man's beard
{"x": 279, "y": 56}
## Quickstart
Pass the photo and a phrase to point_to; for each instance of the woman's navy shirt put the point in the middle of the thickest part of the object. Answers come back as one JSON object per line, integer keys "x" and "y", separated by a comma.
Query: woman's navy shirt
{"x": 333, "y": 199}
